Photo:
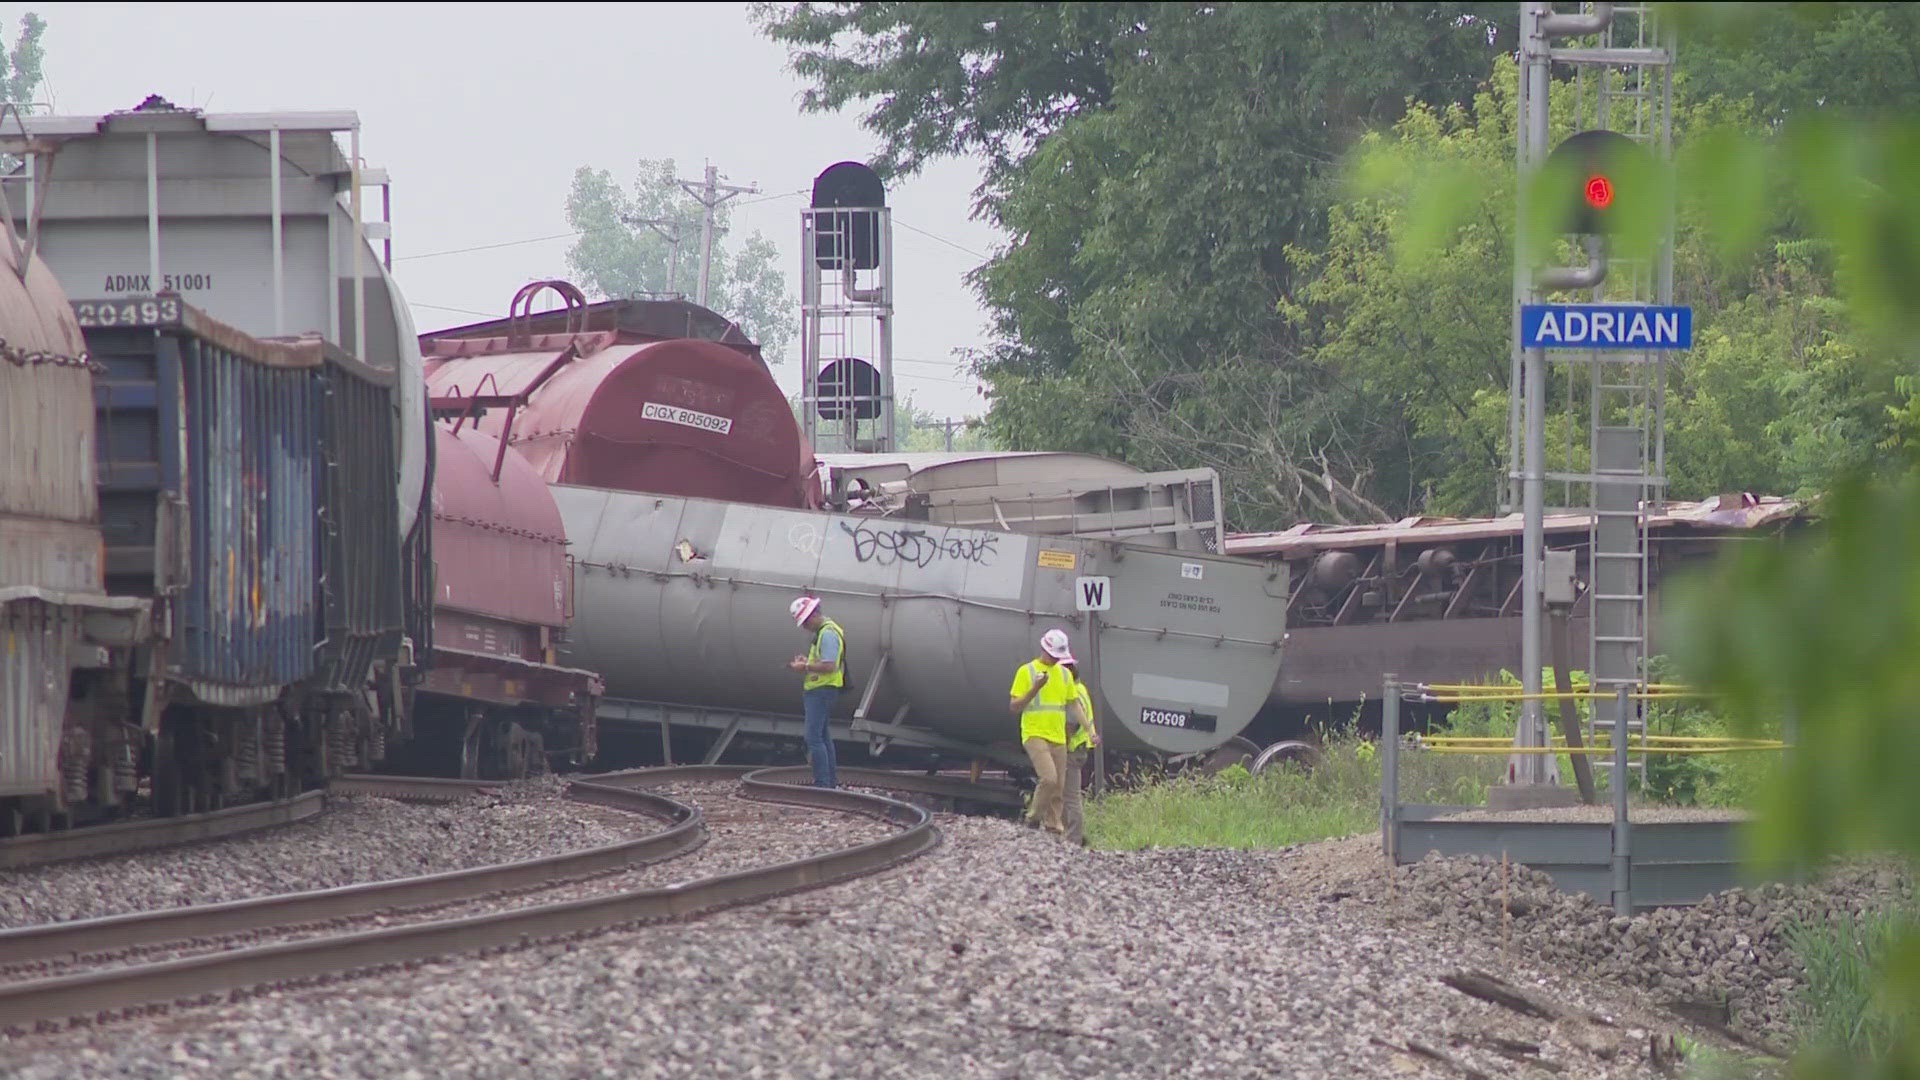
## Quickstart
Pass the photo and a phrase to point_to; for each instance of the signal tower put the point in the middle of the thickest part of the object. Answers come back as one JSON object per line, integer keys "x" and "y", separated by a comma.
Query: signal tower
{"x": 846, "y": 313}
{"x": 1622, "y": 62}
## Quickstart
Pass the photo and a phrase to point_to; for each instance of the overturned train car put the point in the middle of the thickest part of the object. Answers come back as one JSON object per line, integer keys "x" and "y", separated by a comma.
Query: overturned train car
{"x": 682, "y": 603}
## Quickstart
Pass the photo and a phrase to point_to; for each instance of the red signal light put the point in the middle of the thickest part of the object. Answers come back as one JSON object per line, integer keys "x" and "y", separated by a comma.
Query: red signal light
{"x": 1599, "y": 192}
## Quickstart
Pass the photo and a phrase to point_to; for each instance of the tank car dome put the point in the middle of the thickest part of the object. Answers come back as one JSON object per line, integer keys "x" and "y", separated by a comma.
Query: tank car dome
{"x": 678, "y": 417}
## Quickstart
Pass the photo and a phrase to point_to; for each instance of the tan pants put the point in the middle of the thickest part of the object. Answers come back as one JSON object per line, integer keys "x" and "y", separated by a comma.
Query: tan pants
{"x": 1050, "y": 766}
{"x": 1072, "y": 810}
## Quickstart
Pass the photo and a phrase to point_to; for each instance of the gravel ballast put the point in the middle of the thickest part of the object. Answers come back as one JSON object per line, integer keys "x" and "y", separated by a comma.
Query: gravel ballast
{"x": 1731, "y": 950}
{"x": 356, "y": 839}
{"x": 1002, "y": 953}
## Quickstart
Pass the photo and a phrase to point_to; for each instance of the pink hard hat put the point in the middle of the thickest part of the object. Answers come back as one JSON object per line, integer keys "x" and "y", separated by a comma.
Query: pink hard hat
{"x": 803, "y": 609}
{"x": 1054, "y": 643}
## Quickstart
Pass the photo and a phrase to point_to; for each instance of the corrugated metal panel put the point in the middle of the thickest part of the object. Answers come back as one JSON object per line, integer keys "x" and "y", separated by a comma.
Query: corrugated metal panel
{"x": 362, "y": 585}
{"x": 46, "y": 395}
{"x": 1719, "y": 512}
{"x": 500, "y": 547}
{"x": 247, "y": 615}
{"x": 681, "y": 417}
{"x": 210, "y": 475}
{"x": 34, "y": 642}
{"x": 63, "y": 556}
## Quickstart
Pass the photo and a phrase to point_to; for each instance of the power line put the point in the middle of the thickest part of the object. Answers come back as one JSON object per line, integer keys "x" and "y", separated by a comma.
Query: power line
{"x": 460, "y": 310}
{"x": 491, "y": 247}
{"x": 934, "y": 236}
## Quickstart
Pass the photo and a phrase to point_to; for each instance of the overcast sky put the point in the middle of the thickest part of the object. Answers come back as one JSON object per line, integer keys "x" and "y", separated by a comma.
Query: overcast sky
{"x": 481, "y": 113}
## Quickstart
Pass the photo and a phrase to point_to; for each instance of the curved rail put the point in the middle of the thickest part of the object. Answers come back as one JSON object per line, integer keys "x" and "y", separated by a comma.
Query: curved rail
{"x": 686, "y": 832}
{"x": 950, "y": 787}
{"x": 424, "y": 789}
{"x": 127, "y": 836}
{"x": 204, "y": 978}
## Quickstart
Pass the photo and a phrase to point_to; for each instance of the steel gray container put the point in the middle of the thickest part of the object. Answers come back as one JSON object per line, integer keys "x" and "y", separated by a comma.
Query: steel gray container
{"x": 1048, "y": 494}
{"x": 685, "y": 601}
{"x": 258, "y": 219}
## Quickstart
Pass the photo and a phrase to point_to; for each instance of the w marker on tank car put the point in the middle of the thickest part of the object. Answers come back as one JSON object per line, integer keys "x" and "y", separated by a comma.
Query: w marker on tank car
{"x": 1605, "y": 326}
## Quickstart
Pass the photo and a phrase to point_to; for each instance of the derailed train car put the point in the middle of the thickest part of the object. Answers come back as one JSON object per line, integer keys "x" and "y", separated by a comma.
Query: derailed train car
{"x": 687, "y": 495}
{"x": 262, "y": 455}
{"x": 62, "y": 638}
{"x": 682, "y": 603}
{"x": 246, "y": 490}
{"x": 494, "y": 701}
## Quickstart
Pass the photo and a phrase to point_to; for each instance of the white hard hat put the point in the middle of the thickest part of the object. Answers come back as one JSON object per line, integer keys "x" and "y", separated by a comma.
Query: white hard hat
{"x": 1054, "y": 643}
{"x": 803, "y": 608}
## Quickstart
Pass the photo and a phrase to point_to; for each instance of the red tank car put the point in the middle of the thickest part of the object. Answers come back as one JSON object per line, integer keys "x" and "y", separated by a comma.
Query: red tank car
{"x": 661, "y": 397}
{"x": 494, "y": 700}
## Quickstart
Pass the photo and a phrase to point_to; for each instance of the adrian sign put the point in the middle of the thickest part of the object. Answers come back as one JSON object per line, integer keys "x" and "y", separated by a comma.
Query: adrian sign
{"x": 1622, "y": 327}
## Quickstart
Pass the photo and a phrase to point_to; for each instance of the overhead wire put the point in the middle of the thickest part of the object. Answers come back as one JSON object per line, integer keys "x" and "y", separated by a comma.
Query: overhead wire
{"x": 935, "y": 236}
{"x": 568, "y": 235}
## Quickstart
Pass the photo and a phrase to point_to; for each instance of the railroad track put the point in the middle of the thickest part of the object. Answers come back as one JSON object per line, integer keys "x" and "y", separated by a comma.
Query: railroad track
{"x": 988, "y": 793}
{"x": 121, "y": 838}
{"x": 203, "y": 979}
{"x": 419, "y": 789}
{"x": 118, "y": 839}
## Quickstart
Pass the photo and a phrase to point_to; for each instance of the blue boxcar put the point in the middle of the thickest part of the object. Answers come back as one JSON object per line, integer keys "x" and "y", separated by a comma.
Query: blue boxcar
{"x": 250, "y": 485}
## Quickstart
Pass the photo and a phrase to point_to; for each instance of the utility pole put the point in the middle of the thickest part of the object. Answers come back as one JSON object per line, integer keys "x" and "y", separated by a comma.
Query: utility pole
{"x": 948, "y": 426}
{"x": 710, "y": 193}
{"x": 669, "y": 230}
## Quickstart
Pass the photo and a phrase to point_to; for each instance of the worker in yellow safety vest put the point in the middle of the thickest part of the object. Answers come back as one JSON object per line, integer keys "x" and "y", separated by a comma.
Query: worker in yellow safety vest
{"x": 1044, "y": 695}
{"x": 824, "y": 671}
{"x": 1079, "y": 747}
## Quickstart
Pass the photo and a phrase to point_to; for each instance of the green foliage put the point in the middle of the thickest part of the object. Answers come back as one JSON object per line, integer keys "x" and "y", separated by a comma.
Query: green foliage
{"x": 1794, "y": 59}
{"x": 1781, "y": 391}
{"x": 1287, "y": 804}
{"x": 20, "y": 68}
{"x": 619, "y": 255}
{"x": 1843, "y": 1016}
{"x": 1196, "y": 277}
{"x": 1152, "y": 164}
{"x": 981, "y": 78}
{"x": 1725, "y": 780}
{"x": 1823, "y": 630}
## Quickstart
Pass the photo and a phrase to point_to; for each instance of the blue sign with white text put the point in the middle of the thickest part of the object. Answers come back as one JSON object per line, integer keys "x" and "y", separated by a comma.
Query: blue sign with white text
{"x": 1623, "y": 327}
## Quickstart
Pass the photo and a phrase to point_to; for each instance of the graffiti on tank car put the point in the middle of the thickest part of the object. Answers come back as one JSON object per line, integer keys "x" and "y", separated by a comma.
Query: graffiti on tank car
{"x": 918, "y": 547}
{"x": 805, "y": 539}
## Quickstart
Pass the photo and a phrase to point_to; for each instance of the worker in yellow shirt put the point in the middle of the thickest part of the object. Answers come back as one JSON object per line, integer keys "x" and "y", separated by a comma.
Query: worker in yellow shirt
{"x": 1044, "y": 694}
{"x": 1079, "y": 745}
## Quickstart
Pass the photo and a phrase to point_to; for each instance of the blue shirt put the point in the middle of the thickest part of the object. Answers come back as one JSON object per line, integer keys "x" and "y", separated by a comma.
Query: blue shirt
{"x": 829, "y": 645}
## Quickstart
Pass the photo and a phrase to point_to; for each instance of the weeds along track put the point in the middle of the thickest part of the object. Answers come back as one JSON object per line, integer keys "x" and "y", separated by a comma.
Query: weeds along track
{"x": 214, "y": 952}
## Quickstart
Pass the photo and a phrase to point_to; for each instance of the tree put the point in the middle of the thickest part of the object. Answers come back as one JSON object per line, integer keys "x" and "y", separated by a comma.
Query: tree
{"x": 1152, "y": 164}
{"x": 991, "y": 79}
{"x": 20, "y": 68}
{"x": 1822, "y": 630}
{"x": 1793, "y": 59}
{"x": 620, "y": 254}
{"x": 1779, "y": 392}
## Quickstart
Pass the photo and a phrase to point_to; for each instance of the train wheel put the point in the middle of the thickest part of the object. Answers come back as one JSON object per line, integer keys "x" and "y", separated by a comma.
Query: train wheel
{"x": 1305, "y": 754}
{"x": 1235, "y": 751}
